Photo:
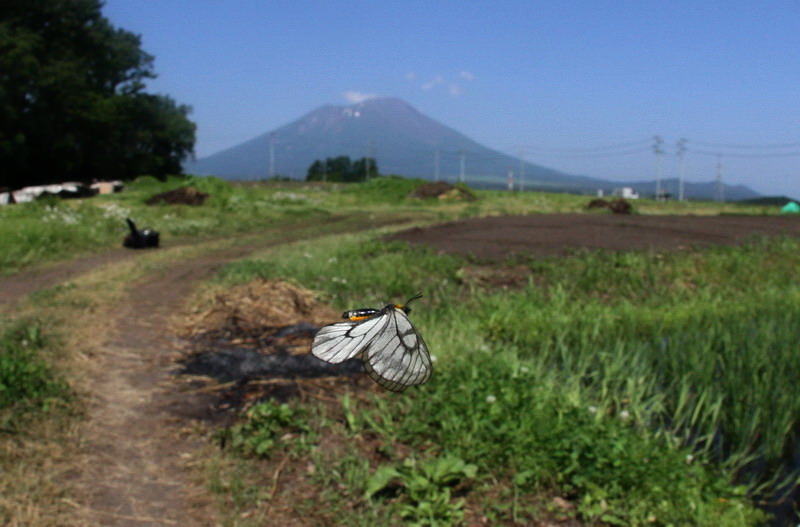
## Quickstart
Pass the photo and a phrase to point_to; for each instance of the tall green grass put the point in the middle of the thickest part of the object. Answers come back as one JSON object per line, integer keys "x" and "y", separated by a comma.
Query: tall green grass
{"x": 27, "y": 381}
{"x": 642, "y": 383}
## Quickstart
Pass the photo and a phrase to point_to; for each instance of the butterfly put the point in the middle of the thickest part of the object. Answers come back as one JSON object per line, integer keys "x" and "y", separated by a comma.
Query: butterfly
{"x": 392, "y": 350}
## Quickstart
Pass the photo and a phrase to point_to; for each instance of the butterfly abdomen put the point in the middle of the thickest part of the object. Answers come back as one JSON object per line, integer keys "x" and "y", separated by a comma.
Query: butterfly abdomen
{"x": 360, "y": 314}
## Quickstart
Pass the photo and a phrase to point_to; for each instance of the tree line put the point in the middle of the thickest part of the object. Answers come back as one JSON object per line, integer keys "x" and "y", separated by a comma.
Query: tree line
{"x": 343, "y": 169}
{"x": 73, "y": 105}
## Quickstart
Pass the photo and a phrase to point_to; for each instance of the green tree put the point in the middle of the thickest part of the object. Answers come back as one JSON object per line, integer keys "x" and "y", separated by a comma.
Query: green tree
{"x": 72, "y": 100}
{"x": 364, "y": 169}
{"x": 342, "y": 169}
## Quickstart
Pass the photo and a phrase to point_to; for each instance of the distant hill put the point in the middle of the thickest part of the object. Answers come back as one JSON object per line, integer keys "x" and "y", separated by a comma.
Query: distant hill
{"x": 403, "y": 141}
{"x": 697, "y": 191}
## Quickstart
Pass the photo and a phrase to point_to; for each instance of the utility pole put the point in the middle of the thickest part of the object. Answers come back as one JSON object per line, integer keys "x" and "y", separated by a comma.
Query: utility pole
{"x": 461, "y": 174}
{"x": 720, "y": 190}
{"x": 436, "y": 163}
{"x": 681, "y": 149}
{"x": 521, "y": 172}
{"x": 658, "y": 150}
{"x": 271, "y": 156}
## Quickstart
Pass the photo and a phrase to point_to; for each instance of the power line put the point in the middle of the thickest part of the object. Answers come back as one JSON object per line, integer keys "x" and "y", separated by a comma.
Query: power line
{"x": 530, "y": 148}
{"x": 593, "y": 156}
{"x": 732, "y": 145}
{"x": 754, "y": 156}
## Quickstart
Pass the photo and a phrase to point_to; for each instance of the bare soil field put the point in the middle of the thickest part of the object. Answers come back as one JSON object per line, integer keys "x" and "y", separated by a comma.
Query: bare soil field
{"x": 541, "y": 235}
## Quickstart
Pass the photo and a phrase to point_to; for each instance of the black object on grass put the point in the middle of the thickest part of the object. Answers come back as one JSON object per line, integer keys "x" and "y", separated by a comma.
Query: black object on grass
{"x": 140, "y": 239}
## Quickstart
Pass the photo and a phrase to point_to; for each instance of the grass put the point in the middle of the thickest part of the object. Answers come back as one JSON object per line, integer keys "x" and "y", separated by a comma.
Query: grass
{"x": 26, "y": 379}
{"x": 54, "y": 229}
{"x": 647, "y": 387}
{"x": 37, "y": 421}
{"x": 640, "y": 385}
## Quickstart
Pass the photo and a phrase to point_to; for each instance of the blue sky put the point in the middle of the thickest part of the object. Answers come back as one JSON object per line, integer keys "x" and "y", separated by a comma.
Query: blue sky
{"x": 560, "y": 81}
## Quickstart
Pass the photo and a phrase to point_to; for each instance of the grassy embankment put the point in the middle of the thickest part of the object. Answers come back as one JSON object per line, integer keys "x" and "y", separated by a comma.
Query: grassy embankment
{"x": 583, "y": 385}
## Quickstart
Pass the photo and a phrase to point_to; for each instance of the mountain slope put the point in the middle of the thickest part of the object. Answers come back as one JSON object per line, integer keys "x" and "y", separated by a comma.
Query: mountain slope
{"x": 405, "y": 142}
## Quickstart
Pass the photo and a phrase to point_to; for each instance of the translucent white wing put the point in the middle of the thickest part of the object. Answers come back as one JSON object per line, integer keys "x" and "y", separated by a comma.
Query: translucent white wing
{"x": 397, "y": 357}
{"x": 338, "y": 342}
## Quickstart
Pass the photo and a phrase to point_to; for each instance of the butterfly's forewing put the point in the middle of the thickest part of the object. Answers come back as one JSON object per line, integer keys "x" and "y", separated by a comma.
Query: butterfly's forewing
{"x": 338, "y": 342}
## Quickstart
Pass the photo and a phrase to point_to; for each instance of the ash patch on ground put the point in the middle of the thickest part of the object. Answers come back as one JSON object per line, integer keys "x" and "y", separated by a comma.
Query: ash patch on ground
{"x": 226, "y": 362}
{"x": 253, "y": 342}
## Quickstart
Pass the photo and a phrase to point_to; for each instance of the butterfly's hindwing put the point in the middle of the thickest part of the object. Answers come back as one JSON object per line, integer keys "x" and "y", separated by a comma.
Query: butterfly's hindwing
{"x": 399, "y": 358}
{"x": 392, "y": 350}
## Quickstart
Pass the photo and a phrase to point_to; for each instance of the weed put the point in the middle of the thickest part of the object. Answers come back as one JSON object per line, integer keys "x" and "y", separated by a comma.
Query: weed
{"x": 266, "y": 425}
{"x": 426, "y": 488}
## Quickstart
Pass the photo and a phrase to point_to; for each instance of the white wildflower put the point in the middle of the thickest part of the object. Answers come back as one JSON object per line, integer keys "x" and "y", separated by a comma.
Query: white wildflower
{"x": 490, "y": 399}
{"x": 624, "y": 415}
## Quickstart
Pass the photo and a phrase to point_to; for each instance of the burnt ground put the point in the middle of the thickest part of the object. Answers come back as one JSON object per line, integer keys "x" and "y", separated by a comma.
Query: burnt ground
{"x": 540, "y": 235}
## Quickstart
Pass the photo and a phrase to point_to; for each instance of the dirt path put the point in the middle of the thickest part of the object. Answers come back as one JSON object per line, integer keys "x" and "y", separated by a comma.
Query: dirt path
{"x": 14, "y": 287}
{"x": 140, "y": 432}
{"x": 135, "y": 468}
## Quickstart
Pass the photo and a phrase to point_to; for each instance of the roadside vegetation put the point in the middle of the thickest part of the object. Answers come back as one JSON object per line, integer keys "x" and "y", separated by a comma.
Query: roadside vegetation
{"x": 54, "y": 229}
{"x": 637, "y": 388}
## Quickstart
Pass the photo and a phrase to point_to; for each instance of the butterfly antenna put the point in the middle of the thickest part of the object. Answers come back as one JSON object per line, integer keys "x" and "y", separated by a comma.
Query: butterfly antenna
{"x": 418, "y": 295}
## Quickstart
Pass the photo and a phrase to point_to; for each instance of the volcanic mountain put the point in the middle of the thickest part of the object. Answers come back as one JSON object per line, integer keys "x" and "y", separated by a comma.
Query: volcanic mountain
{"x": 401, "y": 139}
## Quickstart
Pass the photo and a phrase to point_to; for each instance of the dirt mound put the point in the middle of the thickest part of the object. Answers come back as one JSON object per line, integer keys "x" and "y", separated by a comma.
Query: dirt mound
{"x": 442, "y": 190}
{"x": 248, "y": 309}
{"x": 617, "y": 206}
{"x": 597, "y": 203}
{"x": 179, "y": 196}
{"x": 620, "y": 206}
